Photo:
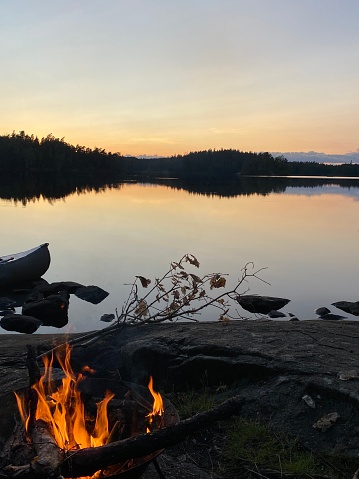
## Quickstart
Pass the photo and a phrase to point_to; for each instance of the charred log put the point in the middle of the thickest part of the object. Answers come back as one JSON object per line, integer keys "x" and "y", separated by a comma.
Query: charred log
{"x": 32, "y": 365}
{"x": 32, "y": 457}
{"x": 34, "y": 377}
{"x": 47, "y": 459}
{"x": 88, "y": 461}
{"x": 17, "y": 449}
{"x": 48, "y": 455}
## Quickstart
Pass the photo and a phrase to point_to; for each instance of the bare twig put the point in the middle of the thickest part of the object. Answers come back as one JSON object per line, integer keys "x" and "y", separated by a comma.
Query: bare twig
{"x": 180, "y": 294}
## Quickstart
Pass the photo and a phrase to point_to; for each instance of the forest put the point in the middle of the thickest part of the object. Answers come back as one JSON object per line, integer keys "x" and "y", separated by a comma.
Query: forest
{"x": 24, "y": 156}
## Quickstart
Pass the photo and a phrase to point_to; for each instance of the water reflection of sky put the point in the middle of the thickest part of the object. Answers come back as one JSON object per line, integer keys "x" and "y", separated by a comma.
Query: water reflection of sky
{"x": 307, "y": 240}
{"x": 325, "y": 190}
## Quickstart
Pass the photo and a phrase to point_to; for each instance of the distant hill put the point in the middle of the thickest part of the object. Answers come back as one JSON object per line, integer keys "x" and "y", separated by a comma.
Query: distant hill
{"x": 320, "y": 157}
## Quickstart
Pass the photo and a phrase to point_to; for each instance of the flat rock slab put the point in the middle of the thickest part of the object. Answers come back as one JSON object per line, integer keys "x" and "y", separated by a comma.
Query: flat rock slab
{"x": 282, "y": 369}
{"x": 301, "y": 347}
{"x": 13, "y": 353}
{"x": 261, "y": 304}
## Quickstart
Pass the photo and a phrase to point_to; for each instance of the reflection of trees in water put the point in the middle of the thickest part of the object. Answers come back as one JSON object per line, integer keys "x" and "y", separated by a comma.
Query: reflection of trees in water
{"x": 53, "y": 169}
{"x": 31, "y": 189}
{"x": 246, "y": 186}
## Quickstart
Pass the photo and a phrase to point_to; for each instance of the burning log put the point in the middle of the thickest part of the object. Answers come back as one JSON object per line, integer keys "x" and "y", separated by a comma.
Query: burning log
{"x": 84, "y": 462}
{"x": 17, "y": 449}
{"x": 87, "y": 461}
{"x": 48, "y": 455}
{"x": 68, "y": 430}
{"x": 38, "y": 458}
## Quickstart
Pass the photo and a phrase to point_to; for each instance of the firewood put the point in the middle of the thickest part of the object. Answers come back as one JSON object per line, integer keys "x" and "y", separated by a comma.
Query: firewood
{"x": 20, "y": 472}
{"x": 48, "y": 455}
{"x": 40, "y": 460}
{"x": 32, "y": 365}
{"x": 17, "y": 449}
{"x": 87, "y": 461}
{"x": 34, "y": 377}
{"x": 130, "y": 414}
{"x": 117, "y": 432}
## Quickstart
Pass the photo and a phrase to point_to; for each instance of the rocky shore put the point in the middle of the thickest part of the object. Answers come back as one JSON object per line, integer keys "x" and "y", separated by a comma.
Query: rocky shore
{"x": 301, "y": 377}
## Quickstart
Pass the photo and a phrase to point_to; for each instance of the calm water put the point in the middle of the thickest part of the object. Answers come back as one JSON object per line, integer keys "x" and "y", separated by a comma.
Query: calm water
{"x": 306, "y": 238}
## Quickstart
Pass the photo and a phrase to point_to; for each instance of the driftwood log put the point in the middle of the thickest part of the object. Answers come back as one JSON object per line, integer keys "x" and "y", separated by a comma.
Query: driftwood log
{"x": 87, "y": 461}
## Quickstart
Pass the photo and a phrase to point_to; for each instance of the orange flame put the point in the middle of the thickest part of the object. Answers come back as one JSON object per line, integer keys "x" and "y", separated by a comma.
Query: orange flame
{"x": 157, "y": 408}
{"x": 63, "y": 410}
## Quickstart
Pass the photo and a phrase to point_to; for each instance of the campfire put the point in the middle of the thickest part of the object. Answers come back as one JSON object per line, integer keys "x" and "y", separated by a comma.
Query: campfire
{"x": 61, "y": 417}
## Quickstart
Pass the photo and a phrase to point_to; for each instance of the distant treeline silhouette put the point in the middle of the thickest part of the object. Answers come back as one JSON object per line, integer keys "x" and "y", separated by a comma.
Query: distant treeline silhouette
{"x": 23, "y": 155}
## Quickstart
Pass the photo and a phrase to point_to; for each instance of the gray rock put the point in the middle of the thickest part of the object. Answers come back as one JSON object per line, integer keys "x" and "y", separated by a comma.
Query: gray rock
{"x": 92, "y": 294}
{"x": 107, "y": 318}
{"x": 331, "y": 316}
{"x": 261, "y": 304}
{"x": 4, "y": 312}
{"x": 322, "y": 310}
{"x": 52, "y": 310}
{"x": 6, "y": 303}
{"x": 54, "y": 288}
{"x": 348, "y": 307}
{"x": 34, "y": 296}
{"x": 276, "y": 314}
{"x": 20, "y": 323}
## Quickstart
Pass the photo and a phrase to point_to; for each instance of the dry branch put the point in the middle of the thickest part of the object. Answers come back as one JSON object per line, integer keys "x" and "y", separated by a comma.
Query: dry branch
{"x": 178, "y": 294}
{"x": 88, "y": 461}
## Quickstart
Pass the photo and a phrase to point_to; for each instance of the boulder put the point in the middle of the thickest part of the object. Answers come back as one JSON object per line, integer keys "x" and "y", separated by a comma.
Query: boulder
{"x": 20, "y": 323}
{"x": 54, "y": 288}
{"x": 276, "y": 314}
{"x": 92, "y": 294}
{"x": 6, "y": 302}
{"x": 107, "y": 318}
{"x": 4, "y": 312}
{"x": 331, "y": 316}
{"x": 33, "y": 296}
{"x": 321, "y": 311}
{"x": 261, "y": 304}
{"x": 52, "y": 310}
{"x": 348, "y": 307}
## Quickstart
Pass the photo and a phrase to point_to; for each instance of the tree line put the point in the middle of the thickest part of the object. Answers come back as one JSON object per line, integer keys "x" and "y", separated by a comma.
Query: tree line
{"x": 23, "y": 155}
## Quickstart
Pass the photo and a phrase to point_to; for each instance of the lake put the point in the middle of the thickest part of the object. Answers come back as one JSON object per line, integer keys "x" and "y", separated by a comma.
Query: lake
{"x": 305, "y": 235}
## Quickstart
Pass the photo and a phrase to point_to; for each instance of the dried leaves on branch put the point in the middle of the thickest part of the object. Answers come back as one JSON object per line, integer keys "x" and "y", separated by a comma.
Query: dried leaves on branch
{"x": 182, "y": 294}
{"x": 179, "y": 294}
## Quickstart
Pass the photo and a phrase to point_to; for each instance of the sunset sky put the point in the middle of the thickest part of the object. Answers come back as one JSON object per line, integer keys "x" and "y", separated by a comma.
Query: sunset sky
{"x": 172, "y": 76}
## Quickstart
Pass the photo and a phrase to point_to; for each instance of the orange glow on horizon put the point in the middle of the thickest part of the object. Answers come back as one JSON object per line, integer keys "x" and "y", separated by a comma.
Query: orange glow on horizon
{"x": 261, "y": 136}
